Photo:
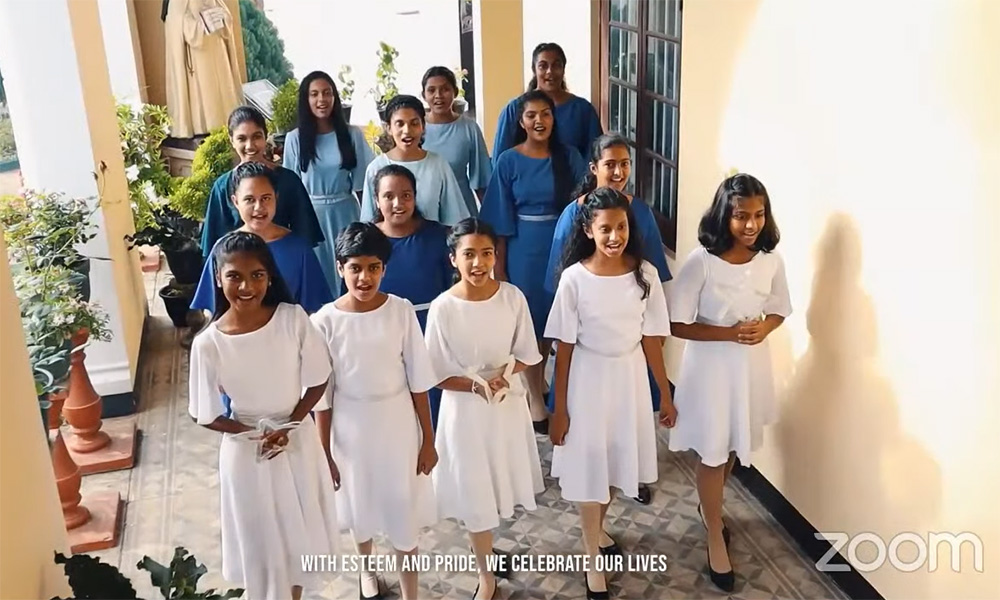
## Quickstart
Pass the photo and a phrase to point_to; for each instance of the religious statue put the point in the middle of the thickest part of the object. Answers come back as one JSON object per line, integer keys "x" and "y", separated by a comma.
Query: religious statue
{"x": 203, "y": 81}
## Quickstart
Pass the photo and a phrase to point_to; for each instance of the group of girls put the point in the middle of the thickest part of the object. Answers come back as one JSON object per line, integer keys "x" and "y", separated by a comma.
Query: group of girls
{"x": 412, "y": 393}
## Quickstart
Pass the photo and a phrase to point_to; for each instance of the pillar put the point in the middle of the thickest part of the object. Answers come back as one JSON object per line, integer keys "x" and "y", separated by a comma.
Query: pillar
{"x": 123, "y": 50}
{"x": 498, "y": 58}
{"x": 30, "y": 514}
{"x": 63, "y": 113}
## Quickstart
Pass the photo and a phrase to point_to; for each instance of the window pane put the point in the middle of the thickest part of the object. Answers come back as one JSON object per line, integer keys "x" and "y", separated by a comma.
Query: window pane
{"x": 659, "y": 188}
{"x": 622, "y": 105}
{"x": 661, "y": 67}
{"x": 661, "y": 136}
{"x": 625, "y": 11}
{"x": 664, "y": 17}
{"x": 623, "y": 56}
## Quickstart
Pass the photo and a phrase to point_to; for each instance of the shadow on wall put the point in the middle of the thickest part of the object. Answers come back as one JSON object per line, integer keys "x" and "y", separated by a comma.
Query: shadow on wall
{"x": 840, "y": 426}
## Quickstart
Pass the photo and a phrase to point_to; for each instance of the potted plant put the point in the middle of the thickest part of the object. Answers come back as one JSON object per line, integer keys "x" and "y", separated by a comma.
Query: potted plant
{"x": 284, "y": 110}
{"x": 461, "y": 76}
{"x": 385, "y": 78}
{"x": 346, "y": 79}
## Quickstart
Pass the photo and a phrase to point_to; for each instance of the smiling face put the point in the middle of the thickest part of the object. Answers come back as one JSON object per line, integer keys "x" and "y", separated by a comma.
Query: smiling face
{"x": 255, "y": 201}
{"x": 244, "y": 280}
{"x": 609, "y": 230}
{"x": 407, "y": 128}
{"x": 474, "y": 258}
{"x": 249, "y": 141}
{"x": 550, "y": 71}
{"x": 396, "y": 199}
{"x": 613, "y": 168}
{"x": 362, "y": 275}
{"x": 321, "y": 98}
{"x": 537, "y": 120}
{"x": 748, "y": 220}
{"x": 439, "y": 95}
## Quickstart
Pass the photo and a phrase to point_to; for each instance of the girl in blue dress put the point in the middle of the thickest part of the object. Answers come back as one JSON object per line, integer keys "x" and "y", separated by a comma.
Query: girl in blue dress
{"x": 531, "y": 184}
{"x": 579, "y": 124}
{"x": 419, "y": 268}
{"x": 610, "y": 166}
{"x": 248, "y": 134}
{"x": 440, "y": 198}
{"x": 331, "y": 157}
{"x": 455, "y": 137}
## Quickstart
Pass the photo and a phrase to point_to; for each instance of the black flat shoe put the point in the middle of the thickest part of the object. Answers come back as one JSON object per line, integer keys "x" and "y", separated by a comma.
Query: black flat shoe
{"x": 361, "y": 590}
{"x": 645, "y": 495}
{"x": 591, "y": 594}
{"x": 541, "y": 427}
{"x": 725, "y": 528}
{"x": 724, "y": 581}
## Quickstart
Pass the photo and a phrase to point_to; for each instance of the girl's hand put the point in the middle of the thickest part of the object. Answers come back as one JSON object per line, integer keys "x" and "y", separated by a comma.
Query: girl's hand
{"x": 276, "y": 440}
{"x": 668, "y": 413}
{"x": 752, "y": 333}
{"x": 498, "y": 383}
{"x": 480, "y": 391}
{"x": 427, "y": 458}
{"x": 334, "y": 472}
{"x": 558, "y": 428}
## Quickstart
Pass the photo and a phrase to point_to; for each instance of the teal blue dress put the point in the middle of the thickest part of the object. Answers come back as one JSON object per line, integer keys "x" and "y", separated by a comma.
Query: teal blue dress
{"x": 576, "y": 120}
{"x": 331, "y": 190}
{"x": 521, "y": 206}
{"x": 293, "y": 210}
{"x": 461, "y": 143}
{"x": 439, "y": 197}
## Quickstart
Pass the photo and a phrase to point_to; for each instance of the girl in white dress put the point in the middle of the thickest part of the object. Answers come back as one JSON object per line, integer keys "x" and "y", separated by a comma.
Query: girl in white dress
{"x": 729, "y": 295}
{"x": 480, "y": 338}
{"x": 606, "y": 318}
{"x": 262, "y": 351}
{"x": 381, "y": 421}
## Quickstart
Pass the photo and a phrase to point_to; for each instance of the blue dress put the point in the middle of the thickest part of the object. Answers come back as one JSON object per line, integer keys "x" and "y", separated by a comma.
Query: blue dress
{"x": 293, "y": 210}
{"x": 652, "y": 250}
{"x": 461, "y": 143}
{"x": 331, "y": 190}
{"x": 576, "y": 120}
{"x": 439, "y": 197}
{"x": 419, "y": 269}
{"x": 521, "y": 206}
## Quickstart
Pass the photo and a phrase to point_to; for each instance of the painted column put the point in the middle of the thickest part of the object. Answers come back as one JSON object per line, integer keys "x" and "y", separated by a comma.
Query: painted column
{"x": 123, "y": 51}
{"x": 498, "y": 52}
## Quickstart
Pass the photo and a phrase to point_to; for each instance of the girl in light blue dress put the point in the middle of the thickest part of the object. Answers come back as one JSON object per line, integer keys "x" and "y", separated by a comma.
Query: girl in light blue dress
{"x": 456, "y": 138}
{"x": 531, "y": 184}
{"x": 331, "y": 157}
{"x": 579, "y": 124}
{"x": 439, "y": 197}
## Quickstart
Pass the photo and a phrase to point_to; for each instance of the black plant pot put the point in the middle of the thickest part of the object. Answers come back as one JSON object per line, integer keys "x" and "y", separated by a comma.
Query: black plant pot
{"x": 81, "y": 278}
{"x": 177, "y": 300}
{"x": 185, "y": 265}
{"x": 347, "y": 112}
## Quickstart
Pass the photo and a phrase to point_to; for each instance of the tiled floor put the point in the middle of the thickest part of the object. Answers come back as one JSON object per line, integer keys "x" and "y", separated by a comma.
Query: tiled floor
{"x": 173, "y": 500}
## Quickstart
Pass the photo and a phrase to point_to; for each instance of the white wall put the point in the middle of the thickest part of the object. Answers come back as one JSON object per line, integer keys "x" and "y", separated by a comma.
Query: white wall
{"x": 567, "y": 24}
{"x": 122, "y": 61}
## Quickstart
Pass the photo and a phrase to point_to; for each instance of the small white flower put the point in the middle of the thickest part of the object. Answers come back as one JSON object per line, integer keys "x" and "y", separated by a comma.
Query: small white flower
{"x": 132, "y": 173}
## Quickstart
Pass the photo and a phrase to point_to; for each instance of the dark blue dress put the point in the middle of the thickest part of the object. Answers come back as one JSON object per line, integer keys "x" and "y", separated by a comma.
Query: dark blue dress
{"x": 578, "y": 123}
{"x": 294, "y": 210}
{"x": 419, "y": 269}
{"x": 652, "y": 245}
{"x": 521, "y": 206}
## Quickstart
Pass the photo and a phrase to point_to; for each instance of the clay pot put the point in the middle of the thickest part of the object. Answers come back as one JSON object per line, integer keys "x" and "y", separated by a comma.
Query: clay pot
{"x": 83, "y": 405}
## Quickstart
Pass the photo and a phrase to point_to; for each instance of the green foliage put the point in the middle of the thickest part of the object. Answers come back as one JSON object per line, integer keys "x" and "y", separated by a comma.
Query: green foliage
{"x": 149, "y": 181}
{"x": 213, "y": 157}
{"x": 285, "y": 107}
{"x": 180, "y": 579}
{"x": 385, "y": 76}
{"x": 265, "y": 52}
{"x": 346, "y": 79}
{"x": 8, "y": 150}
{"x": 46, "y": 228}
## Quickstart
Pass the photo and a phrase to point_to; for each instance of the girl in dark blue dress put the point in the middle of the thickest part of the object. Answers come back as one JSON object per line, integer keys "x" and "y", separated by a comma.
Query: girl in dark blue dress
{"x": 531, "y": 184}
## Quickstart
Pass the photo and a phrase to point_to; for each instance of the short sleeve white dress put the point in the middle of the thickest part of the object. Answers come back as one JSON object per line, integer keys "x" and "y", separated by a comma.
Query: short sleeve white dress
{"x": 611, "y": 439}
{"x": 488, "y": 456}
{"x": 273, "y": 511}
{"x": 725, "y": 392}
{"x": 379, "y": 358}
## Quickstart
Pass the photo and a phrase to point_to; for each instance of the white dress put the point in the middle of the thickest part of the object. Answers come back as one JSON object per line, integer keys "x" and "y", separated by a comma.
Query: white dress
{"x": 487, "y": 451}
{"x": 725, "y": 392}
{"x": 611, "y": 439}
{"x": 379, "y": 358}
{"x": 273, "y": 511}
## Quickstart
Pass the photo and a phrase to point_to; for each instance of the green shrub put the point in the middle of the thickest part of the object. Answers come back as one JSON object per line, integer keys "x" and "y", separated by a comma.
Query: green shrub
{"x": 8, "y": 150}
{"x": 213, "y": 157}
{"x": 285, "y": 106}
{"x": 149, "y": 182}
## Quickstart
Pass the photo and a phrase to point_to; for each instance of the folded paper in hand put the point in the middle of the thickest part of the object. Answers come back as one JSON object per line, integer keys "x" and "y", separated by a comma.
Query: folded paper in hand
{"x": 491, "y": 396}
{"x": 214, "y": 19}
{"x": 264, "y": 428}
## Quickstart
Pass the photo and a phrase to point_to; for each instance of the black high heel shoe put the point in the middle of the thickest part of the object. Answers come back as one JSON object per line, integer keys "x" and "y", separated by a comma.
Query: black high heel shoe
{"x": 541, "y": 427}
{"x": 613, "y": 550}
{"x": 645, "y": 495}
{"x": 725, "y": 528}
{"x": 591, "y": 594}
{"x": 724, "y": 581}
{"x": 496, "y": 589}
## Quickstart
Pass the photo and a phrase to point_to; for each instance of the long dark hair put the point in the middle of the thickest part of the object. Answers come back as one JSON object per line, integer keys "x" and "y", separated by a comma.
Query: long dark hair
{"x": 392, "y": 169}
{"x": 250, "y": 243}
{"x": 579, "y": 246}
{"x": 597, "y": 148}
{"x": 562, "y": 178}
{"x": 713, "y": 230}
{"x": 468, "y": 226}
{"x": 308, "y": 126}
{"x": 545, "y": 47}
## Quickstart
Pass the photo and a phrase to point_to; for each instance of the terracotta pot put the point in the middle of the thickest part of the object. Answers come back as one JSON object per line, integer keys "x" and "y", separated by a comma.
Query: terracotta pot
{"x": 83, "y": 405}
{"x": 68, "y": 483}
{"x": 56, "y": 401}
